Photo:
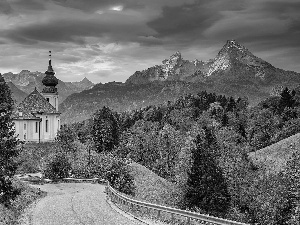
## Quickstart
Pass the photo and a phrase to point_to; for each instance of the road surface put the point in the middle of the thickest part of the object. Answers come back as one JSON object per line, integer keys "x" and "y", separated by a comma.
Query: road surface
{"x": 75, "y": 203}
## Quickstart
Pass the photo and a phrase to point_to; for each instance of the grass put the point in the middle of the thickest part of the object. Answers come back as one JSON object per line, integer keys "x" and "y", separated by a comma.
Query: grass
{"x": 273, "y": 159}
{"x": 10, "y": 215}
{"x": 152, "y": 188}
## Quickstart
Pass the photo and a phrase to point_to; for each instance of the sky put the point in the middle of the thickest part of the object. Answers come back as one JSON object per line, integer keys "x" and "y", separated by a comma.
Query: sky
{"x": 108, "y": 40}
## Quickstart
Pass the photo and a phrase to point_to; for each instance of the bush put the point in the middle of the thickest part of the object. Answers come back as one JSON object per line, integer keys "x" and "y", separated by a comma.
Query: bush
{"x": 119, "y": 177}
{"x": 59, "y": 167}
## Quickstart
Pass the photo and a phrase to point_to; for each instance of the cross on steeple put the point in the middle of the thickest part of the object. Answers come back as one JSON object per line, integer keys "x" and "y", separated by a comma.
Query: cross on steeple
{"x": 49, "y": 58}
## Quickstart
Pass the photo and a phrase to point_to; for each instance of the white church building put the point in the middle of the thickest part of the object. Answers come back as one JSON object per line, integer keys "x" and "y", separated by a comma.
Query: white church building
{"x": 37, "y": 118}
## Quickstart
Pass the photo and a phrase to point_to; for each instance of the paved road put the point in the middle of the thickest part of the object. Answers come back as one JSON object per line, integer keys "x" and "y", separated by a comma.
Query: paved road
{"x": 75, "y": 203}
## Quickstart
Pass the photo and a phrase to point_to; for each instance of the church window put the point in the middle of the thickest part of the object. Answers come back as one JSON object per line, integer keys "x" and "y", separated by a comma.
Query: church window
{"x": 36, "y": 127}
{"x": 47, "y": 124}
{"x": 24, "y": 136}
{"x": 55, "y": 102}
{"x": 24, "y": 126}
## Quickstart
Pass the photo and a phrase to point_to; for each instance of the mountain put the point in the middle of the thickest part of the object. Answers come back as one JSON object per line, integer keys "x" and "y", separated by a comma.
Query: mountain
{"x": 235, "y": 71}
{"x": 26, "y": 81}
{"x": 17, "y": 94}
{"x": 233, "y": 62}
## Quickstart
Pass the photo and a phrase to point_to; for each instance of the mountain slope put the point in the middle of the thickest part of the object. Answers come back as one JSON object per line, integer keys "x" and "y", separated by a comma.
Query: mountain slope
{"x": 26, "y": 81}
{"x": 17, "y": 94}
{"x": 235, "y": 71}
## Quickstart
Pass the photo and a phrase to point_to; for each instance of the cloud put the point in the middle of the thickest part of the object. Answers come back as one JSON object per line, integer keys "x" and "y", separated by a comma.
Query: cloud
{"x": 5, "y": 7}
{"x": 110, "y": 39}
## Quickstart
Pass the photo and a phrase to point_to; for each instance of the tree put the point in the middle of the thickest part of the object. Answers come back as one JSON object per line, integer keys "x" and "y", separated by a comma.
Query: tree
{"x": 206, "y": 187}
{"x": 286, "y": 99}
{"x": 105, "y": 130}
{"x": 8, "y": 144}
{"x": 66, "y": 137}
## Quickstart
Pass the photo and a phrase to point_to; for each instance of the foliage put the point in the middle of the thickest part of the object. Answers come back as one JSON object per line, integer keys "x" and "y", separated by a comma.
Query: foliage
{"x": 286, "y": 99}
{"x": 8, "y": 144}
{"x": 119, "y": 177}
{"x": 58, "y": 167}
{"x": 206, "y": 187}
{"x": 65, "y": 138}
{"x": 27, "y": 194}
{"x": 105, "y": 131}
{"x": 34, "y": 156}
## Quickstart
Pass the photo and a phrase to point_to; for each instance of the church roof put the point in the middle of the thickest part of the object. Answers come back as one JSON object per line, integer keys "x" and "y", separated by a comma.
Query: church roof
{"x": 34, "y": 103}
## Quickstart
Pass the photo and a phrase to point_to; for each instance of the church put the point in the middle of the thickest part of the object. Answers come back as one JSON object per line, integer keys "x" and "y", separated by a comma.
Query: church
{"x": 37, "y": 118}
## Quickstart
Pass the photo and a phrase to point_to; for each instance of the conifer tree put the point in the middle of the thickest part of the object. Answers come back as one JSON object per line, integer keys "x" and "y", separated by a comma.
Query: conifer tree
{"x": 105, "y": 130}
{"x": 286, "y": 99}
{"x": 206, "y": 187}
{"x": 8, "y": 144}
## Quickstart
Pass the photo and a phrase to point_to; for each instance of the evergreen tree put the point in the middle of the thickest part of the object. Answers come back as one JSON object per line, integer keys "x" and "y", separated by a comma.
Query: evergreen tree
{"x": 105, "y": 130}
{"x": 286, "y": 99}
{"x": 8, "y": 144}
{"x": 206, "y": 187}
{"x": 231, "y": 105}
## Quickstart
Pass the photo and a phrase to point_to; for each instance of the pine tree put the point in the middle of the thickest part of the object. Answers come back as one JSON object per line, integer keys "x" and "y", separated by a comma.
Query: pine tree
{"x": 105, "y": 130}
{"x": 8, "y": 144}
{"x": 286, "y": 99}
{"x": 206, "y": 186}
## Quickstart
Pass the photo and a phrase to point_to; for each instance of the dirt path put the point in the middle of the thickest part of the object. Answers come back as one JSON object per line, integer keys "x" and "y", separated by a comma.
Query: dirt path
{"x": 75, "y": 203}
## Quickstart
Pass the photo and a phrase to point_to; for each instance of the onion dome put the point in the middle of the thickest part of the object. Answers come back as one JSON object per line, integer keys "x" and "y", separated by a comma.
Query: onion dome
{"x": 50, "y": 81}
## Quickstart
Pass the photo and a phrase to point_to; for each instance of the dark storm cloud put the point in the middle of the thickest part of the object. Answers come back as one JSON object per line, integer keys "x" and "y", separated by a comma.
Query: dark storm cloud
{"x": 190, "y": 18}
{"x": 29, "y": 4}
{"x": 5, "y": 7}
{"x": 76, "y": 30}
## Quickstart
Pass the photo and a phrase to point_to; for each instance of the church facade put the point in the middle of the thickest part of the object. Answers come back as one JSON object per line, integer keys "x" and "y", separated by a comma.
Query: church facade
{"x": 37, "y": 118}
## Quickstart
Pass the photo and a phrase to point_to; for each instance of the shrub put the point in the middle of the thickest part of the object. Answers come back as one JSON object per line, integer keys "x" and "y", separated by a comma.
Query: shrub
{"x": 59, "y": 167}
{"x": 119, "y": 177}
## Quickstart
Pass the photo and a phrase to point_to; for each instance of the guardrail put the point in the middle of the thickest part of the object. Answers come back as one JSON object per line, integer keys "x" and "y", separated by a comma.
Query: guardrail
{"x": 115, "y": 196}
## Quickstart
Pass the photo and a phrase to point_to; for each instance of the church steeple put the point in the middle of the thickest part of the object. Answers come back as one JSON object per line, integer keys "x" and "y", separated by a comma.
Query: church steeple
{"x": 50, "y": 81}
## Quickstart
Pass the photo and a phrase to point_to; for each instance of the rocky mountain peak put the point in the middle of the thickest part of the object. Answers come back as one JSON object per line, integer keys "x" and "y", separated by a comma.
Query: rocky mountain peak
{"x": 233, "y": 49}
{"x": 86, "y": 82}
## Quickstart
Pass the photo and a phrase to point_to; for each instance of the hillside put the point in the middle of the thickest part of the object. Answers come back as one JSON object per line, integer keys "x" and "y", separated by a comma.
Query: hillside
{"x": 273, "y": 159}
{"x": 152, "y": 188}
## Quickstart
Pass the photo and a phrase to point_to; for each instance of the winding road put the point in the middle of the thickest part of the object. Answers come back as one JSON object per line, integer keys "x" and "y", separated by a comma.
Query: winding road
{"x": 76, "y": 203}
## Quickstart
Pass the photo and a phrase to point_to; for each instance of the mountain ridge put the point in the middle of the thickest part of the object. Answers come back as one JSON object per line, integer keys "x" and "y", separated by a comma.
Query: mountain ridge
{"x": 26, "y": 81}
{"x": 235, "y": 71}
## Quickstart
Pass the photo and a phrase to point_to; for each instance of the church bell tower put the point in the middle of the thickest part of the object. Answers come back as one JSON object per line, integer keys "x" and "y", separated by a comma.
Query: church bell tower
{"x": 50, "y": 81}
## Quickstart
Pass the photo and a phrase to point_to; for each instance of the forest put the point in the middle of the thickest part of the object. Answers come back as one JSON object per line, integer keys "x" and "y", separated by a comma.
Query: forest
{"x": 201, "y": 143}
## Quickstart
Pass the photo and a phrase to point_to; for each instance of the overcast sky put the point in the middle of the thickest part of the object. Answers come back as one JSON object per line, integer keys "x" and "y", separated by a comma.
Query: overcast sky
{"x": 108, "y": 40}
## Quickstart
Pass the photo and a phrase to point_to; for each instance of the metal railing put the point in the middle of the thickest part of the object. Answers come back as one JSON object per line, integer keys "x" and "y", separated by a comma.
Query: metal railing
{"x": 115, "y": 196}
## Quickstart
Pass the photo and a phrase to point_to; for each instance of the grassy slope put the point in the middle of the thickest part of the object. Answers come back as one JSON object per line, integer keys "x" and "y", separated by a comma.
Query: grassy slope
{"x": 273, "y": 158}
{"x": 152, "y": 188}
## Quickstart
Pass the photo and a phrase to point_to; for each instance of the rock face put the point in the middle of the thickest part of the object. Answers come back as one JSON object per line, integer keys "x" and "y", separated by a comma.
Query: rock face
{"x": 26, "y": 81}
{"x": 233, "y": 59}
